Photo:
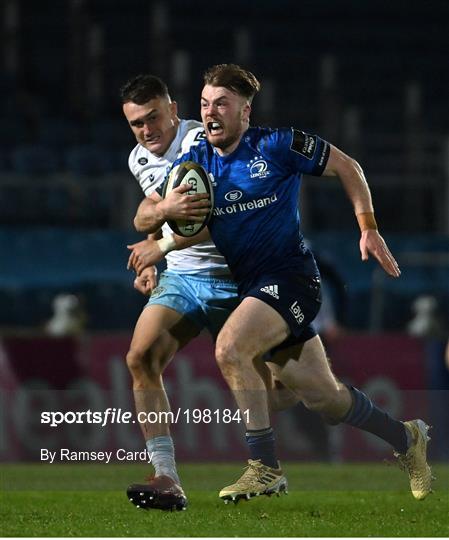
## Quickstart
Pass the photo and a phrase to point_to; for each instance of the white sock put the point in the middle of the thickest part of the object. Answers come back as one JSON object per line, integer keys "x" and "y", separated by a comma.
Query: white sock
{"x": 162, "y": 452}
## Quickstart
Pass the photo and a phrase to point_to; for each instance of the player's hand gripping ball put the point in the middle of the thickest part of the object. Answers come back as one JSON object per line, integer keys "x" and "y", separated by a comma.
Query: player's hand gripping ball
{"x": 193, "y": 174}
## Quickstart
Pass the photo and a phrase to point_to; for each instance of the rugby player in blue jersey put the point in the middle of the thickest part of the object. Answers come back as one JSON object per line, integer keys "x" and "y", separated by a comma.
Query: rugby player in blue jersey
{"x": 195, "y": 290}
{"x": 256, "y": 174}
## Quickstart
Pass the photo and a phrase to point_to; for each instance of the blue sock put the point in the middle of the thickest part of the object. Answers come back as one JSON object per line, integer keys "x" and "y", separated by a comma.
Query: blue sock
{"x": 365, "y": 415}
{"x": 261, "y": 446}
{"x": 162, "y": 452}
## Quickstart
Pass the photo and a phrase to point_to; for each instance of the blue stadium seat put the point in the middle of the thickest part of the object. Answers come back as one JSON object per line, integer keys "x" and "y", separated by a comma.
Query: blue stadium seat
{"x": 109, "y": 133}
{"x": 89, "y": 160}
{"x": 34, "y": 159}
{"x": 59, "y": 132}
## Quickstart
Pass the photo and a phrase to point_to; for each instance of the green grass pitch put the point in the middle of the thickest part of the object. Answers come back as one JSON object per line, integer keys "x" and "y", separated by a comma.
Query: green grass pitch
{"x": 323, "y": 500}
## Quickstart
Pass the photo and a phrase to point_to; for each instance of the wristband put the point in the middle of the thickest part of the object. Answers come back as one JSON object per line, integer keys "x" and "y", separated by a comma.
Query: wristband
{"x": 366, "y": 221}
{"x": 167, "y": 244}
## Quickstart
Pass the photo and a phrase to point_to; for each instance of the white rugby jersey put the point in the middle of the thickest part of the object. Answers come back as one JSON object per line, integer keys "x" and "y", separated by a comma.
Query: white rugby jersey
{"x": 150, "y": 171}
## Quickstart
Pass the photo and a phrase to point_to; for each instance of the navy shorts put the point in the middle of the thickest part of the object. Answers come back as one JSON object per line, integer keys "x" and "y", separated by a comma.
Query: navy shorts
{"x": 296, "y": 298}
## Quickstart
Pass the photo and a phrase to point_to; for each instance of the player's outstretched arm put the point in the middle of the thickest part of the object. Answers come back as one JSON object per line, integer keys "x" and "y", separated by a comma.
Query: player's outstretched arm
{"x": 371, "y": 242}
{"x": 154, "y": 211}
{"x": 355, "y": 184}
{"x": 157, "y": 249}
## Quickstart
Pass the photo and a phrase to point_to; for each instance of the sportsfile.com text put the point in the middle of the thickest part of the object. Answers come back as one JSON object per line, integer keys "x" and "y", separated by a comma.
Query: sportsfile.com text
{"x": 114, "y": 415}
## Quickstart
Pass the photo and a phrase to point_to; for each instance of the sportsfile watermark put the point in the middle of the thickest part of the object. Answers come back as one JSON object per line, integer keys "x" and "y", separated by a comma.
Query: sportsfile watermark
{"x": 113, "y": 415}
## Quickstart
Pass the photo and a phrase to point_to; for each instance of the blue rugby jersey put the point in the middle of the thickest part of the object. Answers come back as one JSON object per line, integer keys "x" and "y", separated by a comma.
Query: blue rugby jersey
{"x": 255, "y": 222}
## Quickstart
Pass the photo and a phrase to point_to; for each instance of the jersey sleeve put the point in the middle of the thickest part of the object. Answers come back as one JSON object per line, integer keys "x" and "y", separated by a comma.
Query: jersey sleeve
{"x": 144, "y": 171}
{"x": 303, "y": 152}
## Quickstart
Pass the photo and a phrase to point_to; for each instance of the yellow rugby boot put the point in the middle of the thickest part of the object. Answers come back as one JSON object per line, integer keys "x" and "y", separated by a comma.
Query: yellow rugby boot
{"x": 258, "y": 479}
{"x": 415, "y": 460}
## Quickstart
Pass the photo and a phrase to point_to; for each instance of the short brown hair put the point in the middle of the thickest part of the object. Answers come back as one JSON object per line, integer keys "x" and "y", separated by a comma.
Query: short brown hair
{"x": 234, "y": 78}
{"x": 143, "y": 88}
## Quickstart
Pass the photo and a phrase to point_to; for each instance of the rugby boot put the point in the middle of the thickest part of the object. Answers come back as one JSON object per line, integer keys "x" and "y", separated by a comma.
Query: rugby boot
{"x": 258, "y": 479}
{"x": 415, "y": 460}
{"x": 160, "y": 492}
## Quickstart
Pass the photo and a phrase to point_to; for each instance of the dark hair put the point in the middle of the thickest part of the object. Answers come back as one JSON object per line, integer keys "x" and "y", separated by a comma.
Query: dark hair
{"x": 143, "y": 88}
{"x": 234, "y": 78}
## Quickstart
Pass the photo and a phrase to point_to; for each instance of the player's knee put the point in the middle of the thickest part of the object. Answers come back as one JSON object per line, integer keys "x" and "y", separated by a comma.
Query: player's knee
{"x": 135, "y": 362}
{"x": 229, "y": 357}
{"x": 225, "y": 353}
{"x": 143, "y": 364}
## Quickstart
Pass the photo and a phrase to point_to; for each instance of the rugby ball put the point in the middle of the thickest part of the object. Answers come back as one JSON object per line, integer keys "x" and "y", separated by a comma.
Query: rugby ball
{"x": 193, "y": 174}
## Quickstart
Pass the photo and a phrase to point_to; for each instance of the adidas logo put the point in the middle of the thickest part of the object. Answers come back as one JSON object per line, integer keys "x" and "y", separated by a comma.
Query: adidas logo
{"x": 268, "y": 478}
{"x": 271, "y": 289}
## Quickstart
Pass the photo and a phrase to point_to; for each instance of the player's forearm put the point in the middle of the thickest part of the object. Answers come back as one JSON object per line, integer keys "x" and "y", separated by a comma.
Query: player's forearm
{"x": 175, "y": 242}
{"x": 183, "y": 242}
{"x": 354, "y": 182}
{"x": 149, "y": 217}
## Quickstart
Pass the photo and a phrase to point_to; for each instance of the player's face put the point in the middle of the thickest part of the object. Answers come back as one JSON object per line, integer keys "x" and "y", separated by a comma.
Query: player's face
{"x": 154, "y": 124}
{"x": 225, "y": 116}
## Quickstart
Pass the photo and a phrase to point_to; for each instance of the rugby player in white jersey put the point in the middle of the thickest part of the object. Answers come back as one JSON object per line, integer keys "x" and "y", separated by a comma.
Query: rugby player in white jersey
{"x": 195, "y": 291}
{"x": 278, "y": 280}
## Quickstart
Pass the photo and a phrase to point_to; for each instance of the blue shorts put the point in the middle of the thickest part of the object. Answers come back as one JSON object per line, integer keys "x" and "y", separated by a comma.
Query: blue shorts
{"x": 206, "y": 300}
{"x": 296, "y": 298}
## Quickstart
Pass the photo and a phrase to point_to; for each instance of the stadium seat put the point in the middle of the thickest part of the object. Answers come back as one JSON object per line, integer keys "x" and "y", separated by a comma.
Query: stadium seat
{"x": 59, "y": 132}
{"x": 34, "y": 159}
{"x": 109, "y": 133}
{"x": 89, "y": 160}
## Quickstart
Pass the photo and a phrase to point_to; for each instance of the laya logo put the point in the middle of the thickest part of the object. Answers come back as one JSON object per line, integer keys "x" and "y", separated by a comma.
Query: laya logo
{"x": 297, "y": 313}
{"x": 258, "y": 168}
{"x": 234, "y": 195}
